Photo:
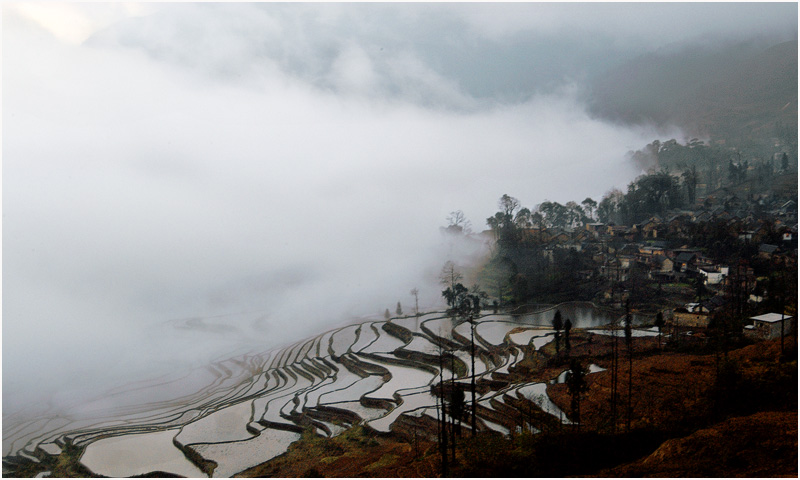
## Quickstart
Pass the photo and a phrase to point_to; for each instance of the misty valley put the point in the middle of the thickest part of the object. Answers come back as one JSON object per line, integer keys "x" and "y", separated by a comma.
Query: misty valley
{"x": 378, "y": 373}
{"x": 400, "y": 239}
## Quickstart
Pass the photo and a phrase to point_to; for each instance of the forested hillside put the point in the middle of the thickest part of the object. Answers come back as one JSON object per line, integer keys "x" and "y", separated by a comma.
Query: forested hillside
{"x": 737, "y": 93}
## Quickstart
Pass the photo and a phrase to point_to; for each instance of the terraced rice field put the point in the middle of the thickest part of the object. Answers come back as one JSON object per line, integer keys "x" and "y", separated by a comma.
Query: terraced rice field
{"x": 253, "y": 407}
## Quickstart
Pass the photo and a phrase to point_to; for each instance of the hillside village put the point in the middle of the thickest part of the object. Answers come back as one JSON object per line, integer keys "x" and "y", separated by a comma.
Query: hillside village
{"x": 691, "y": 257}
{"x": 646, "y": 252}
{"x": 620, "y": 252}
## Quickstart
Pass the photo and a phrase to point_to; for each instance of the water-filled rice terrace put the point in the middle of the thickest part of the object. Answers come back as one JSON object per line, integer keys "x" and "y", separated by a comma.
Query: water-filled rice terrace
{"x": 377, "y": 373}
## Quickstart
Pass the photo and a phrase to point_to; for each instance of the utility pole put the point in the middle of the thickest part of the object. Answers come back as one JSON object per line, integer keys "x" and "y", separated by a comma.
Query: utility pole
{"x": 442, "y": 423}
{"x": 416, "y": 445}
{"x": 472, "y": 380}
{"x": 452, "y": 410}
{"x": 614, "y": 379}
{"x": 629, "y": 342}
{"x": 783, "y": 309}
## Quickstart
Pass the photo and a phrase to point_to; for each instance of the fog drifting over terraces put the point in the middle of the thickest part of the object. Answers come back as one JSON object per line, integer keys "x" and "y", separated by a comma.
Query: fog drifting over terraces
{"x": 276, "y": 169}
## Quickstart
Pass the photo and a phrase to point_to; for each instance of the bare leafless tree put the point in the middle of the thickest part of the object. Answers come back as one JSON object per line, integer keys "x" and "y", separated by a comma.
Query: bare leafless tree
{"x": 458, "y": 221}
{"x": 450, "y": 275}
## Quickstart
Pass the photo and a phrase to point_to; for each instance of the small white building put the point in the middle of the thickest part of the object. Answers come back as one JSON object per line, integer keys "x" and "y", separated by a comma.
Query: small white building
{"x": 713, "y": 275}
{"x": 768, "y": 326}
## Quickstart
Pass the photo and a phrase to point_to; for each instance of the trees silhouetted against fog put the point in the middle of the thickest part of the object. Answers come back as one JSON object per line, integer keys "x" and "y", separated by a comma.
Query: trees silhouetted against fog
{"x": 457, "y": 223}
{"x": 609, "y": 210}
{"x": 567, "y": 328}
{"x": 558, "y": 324}
{"x": 660, "y": 325}
{"x": 690, "y": 179}
{"x": 589, "y": 207}
{"x": 450, "y": 274}
{"x": 466, "y": 307}
{"x": 455, "y": 295}
{"x": 415, "y": 293}
{"x": 576, "y": 385}
{"x": 629, "y": 345}
{"x": 651, "y": 195}
{"x": 502, "y": 223}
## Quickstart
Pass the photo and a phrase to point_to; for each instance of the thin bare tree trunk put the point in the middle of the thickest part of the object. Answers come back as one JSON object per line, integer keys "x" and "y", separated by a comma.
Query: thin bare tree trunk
{"x": 630, "y": 384}
{"x": 472, "y": 382}
{"x": 452, "y": 410}
{"x": 614, "y": 364}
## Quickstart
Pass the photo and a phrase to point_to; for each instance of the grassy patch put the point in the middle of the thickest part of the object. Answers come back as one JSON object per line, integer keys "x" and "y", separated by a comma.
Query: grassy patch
{"x": 386, "y": 460}
{"x": 27, "y": 470}
{"x": 66, "y": 464}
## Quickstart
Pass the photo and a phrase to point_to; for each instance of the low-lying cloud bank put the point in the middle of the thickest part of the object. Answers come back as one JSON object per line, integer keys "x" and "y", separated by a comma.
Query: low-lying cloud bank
{"x": 172, "y": 193}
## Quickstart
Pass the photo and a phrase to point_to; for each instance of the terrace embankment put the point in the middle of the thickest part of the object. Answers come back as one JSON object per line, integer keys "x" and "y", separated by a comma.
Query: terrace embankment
{"x": 375, "y": 397}
{"x": 719, "y": 414}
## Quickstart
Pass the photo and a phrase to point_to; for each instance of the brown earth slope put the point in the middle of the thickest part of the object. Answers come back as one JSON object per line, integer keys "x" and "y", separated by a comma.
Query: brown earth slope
{"x": 759, "y": 445}
{"x": 692, "y": 415}
{"x": 358, "y": 452}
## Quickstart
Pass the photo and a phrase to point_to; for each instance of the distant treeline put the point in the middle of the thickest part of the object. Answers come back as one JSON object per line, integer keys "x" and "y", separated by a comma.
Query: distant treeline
{"x": 677, "y": 174}
{"x": 678, "y": 178}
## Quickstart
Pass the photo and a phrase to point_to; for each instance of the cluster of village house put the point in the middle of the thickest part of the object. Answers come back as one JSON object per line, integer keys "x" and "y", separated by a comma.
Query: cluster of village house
{"x": 619, "y": 250}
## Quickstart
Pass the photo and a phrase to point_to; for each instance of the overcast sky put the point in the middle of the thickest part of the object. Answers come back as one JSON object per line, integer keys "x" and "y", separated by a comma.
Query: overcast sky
{"x": 279, "y": 168}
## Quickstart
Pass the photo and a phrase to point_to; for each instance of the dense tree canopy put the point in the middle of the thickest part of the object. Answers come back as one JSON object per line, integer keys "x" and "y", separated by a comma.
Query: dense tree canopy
{"x": 651, "y": 195}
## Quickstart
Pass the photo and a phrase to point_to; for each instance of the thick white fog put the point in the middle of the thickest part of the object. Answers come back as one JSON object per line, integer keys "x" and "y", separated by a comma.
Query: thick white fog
{"x": 271, "y": 170}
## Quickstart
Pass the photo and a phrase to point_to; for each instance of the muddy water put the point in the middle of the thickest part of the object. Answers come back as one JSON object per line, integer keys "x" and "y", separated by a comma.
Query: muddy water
{"x": 420, "y": 344}
{"x": 537, "y": 393}
{"x": 480, "y": 366}
{"x": 621, "y": 333}
{"x": 226, "y": 424}
{"x": 562, "y": 377}
{"x": 366, "y": 335}
{"x": 581, "y": 314}
{"x": 354, "y": 391}
{"x": 366, "y": 413}
{"x": 412, "y": 400}
{"x": 384, "y": 344}
{"x": 130, "y": 455}
{"x": 494, "y": 332}
{"x": 524, "y": 338}
{"x": 402, "y": 378}
{"x": 344, "y": 339}
{"x": 234, "y": 457}
{"x": 224, "y": 432}
{"x": 442, "y": 326}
